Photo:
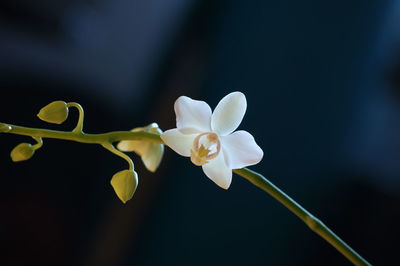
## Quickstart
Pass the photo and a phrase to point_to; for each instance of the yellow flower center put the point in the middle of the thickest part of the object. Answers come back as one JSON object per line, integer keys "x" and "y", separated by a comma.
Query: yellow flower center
{"x": 206, "y": 146}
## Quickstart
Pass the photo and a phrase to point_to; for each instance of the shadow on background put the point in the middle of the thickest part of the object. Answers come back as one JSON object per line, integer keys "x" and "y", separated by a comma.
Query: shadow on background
{"x": 322, "y": 85}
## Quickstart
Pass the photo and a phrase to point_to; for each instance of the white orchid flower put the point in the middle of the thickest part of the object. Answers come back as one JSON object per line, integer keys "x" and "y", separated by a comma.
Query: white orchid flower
{"x": 151, "y": 153}
{"x": 209, "y": 138}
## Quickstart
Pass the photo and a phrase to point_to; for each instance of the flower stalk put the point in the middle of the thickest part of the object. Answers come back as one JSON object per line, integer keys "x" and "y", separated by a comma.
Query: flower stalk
{"x": 105, "y": 139}
{"x": 101, "y": 138}
{"x": 112, "y": 149}
{"x": 310, "y": 220}
{"x": 79, "y": 126}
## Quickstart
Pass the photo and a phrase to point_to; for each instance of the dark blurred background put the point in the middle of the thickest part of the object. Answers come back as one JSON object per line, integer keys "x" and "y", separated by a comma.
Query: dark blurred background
{"x": 322, "y": 81}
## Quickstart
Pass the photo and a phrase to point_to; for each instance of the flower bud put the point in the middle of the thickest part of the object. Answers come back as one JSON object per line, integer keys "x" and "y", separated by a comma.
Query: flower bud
{"x": 22, "y": 152}
{"x": 55, "y": 112}
{"x": 124, "y": 184}
{"x": 151, "y": 153}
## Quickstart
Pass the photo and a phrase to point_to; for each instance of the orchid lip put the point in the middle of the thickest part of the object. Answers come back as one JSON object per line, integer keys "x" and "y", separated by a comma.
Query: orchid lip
{"x": 206, "y": 146}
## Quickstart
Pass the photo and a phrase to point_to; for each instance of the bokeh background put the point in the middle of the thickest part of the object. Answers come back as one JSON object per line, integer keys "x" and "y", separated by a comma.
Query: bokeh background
{"x": 322, "y": 81}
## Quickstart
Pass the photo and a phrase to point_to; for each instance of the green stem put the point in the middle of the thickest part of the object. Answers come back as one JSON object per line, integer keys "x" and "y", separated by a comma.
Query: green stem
{"x": 312, "y": 222}
{"x": 79, "y": 125}
{"x": 81, "y": 137}
{"x": 112, "y": 149}
{"x": 39, "y": 143}
{"x": 105, "y": 139}
{"x": 4, "y": 128}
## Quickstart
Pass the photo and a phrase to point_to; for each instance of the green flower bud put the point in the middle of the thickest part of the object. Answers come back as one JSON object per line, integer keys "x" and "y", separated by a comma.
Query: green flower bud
{"x": 55, "y": 112}
{"x": 22, "y": 152}
{"x": 124, "y": 184}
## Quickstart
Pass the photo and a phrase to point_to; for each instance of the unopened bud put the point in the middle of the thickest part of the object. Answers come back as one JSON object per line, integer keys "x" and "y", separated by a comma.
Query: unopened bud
{"x": 55, "y": 112}
{"x": 22, "y": 152}
{"x": 151, "y": 153}
{"x": 124, "y": 184}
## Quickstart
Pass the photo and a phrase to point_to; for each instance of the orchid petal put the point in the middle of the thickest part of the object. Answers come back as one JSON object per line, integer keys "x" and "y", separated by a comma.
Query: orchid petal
{"x": 192, "y": 116}
{"x": 152, "y": 158}
{"x": 137, "y": 146}
{"x": 218, "y": 171}
{"x": 179, "y": 142}
{"x": 229, "y": 113}
{"x": 241, "y": 150}
{"x": 150, "y": 153}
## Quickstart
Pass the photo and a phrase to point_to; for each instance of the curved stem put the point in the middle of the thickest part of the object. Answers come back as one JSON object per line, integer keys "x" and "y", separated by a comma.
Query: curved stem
{"x": 312, "y": 222}
{"x": 112, "y": 149}
{"x": 79, "y": 125}
{"x": 39, "y": 143}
